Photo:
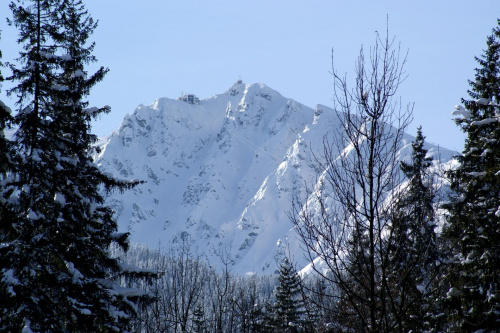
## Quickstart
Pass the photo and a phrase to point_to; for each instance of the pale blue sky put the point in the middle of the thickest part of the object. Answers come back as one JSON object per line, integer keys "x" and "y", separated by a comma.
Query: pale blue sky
{"x": 158, "y": 48}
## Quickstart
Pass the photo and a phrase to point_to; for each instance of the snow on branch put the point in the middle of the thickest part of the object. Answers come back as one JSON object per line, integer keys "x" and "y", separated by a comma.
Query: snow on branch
{"x": 93, "y": 111}
{"x": 483, "y": 101}
{"x": 484, "y": 121}
{"x": 116, "y": 289}
{"x": 460, "y": 111}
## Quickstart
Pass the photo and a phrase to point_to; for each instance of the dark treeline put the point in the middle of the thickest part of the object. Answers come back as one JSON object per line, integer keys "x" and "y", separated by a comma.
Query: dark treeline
{"x": 191, "y": 296}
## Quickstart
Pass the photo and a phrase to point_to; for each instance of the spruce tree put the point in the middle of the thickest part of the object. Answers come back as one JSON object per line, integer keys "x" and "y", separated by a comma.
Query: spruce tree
{"x": 55, "y": 267}
{"x": 473, "y": 224}
{"x": 412, "y": 246}
{"x": 288, "y": 313}
{"x": 199, "y": 323}
{"x": 4, "y": 118}
{"x": 418, "y": 200}
{"x": 5, "y": 160}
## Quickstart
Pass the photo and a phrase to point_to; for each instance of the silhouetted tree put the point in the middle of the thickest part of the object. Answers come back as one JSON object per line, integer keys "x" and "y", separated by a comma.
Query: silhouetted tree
{"x": 5, "y": 159}
{"x": 343, "y": 226}
{"x": 56, "y": 271}
{"x": 288, "y": 313}
{"x": 473, "y": 227}
{"x": 412, "y": 249}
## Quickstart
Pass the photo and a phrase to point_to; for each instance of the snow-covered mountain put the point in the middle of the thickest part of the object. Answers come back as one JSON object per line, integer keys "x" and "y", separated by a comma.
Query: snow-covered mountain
{"x": 221, "y": 172}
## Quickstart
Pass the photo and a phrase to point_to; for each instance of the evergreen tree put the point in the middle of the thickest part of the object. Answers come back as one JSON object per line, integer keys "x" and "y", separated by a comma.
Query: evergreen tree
{"x": 199, "y": 324}
{"x": 417, "y": 202}
{"x": 412, "y": 247}
{"x": 4, "y": 118}
{"x": 473, "y": 227}
{"x": 288, "y": 314}
{"x": 55, "y": 268}
{"x": 5, "y": 160}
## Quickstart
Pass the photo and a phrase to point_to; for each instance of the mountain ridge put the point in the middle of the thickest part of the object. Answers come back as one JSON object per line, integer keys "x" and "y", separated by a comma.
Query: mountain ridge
{"x": 221, "y": 174}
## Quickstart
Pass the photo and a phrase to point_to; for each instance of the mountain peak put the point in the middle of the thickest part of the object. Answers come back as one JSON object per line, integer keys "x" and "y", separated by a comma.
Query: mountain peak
{"x": 220, "y": 174}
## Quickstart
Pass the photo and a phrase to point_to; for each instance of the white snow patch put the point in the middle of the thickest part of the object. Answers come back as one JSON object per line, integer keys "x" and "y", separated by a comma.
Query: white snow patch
{"x": 27, "y": 328}
{"x": 34, "y": 216}
{"x": 75, "y": 273}
{"x": 483, "y": 101}
{"x": 85, "y": 311}
{"x": 60, "y": 198}
{"x": 115, "y": 288}
{"x": 484, "y": 121}
{"x": 460, "y": 111}
{"x": 10, "y": 280}
{"x": 79, "y": 73}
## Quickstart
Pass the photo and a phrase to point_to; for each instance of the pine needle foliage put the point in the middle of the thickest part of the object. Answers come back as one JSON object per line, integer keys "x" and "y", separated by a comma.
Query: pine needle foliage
{"x": 288, "y": 314}
{"x": 473, "y": 227}
{"x": 414, "y": 256}
{"x": 5, "y": 148}
{"x": 56, "y": 270}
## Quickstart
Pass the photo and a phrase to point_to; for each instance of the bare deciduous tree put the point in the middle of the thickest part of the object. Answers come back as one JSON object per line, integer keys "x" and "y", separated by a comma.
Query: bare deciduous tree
{"x": 343, "y": 225}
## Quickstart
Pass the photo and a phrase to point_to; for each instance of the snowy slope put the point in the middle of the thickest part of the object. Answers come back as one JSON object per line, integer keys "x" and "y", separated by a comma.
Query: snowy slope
{"x": 221, "y": 174}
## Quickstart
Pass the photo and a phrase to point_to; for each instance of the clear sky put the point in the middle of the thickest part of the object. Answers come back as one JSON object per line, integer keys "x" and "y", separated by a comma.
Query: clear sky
{"x": 158, "y": 48}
